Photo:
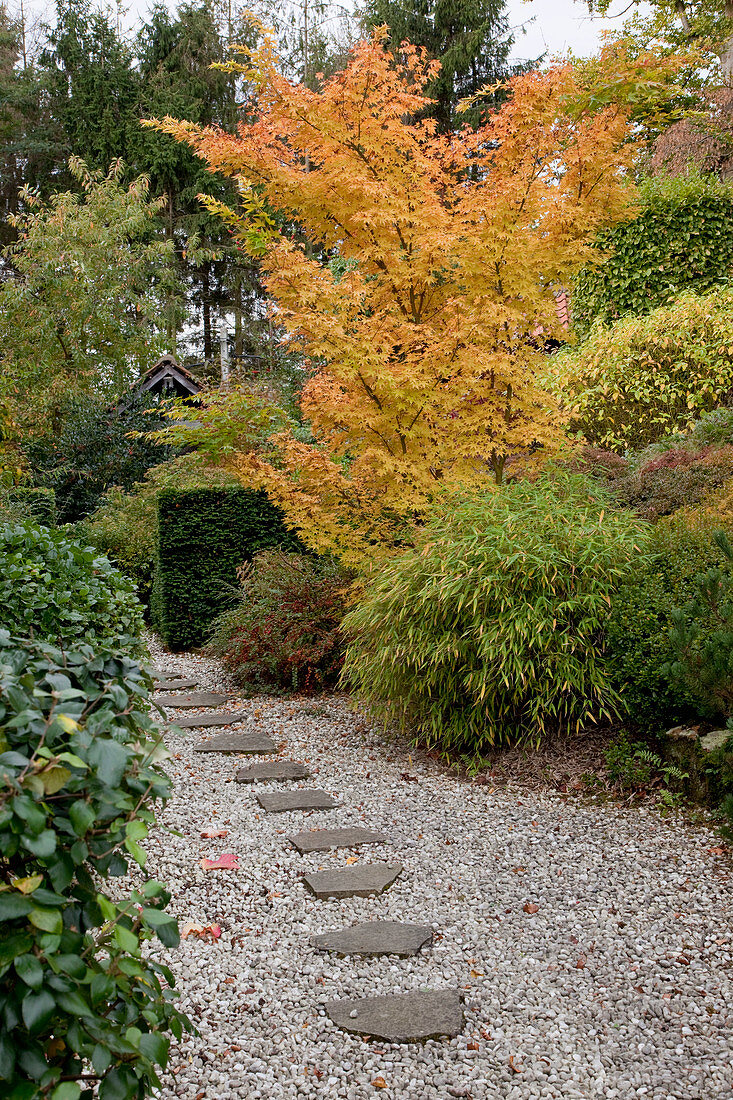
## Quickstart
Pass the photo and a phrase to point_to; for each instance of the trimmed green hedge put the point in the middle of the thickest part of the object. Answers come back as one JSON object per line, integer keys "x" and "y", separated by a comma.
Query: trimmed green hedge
{"x": 204, "y": 535}
{"x": 39, "y": 504}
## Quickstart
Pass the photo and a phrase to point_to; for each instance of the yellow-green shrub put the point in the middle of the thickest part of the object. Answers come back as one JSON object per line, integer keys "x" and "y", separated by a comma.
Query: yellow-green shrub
{"x": 635, "y": 381}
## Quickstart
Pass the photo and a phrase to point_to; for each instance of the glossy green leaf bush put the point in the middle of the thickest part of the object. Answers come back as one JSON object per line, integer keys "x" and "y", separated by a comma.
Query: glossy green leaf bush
{"x": 642, "y": 378}
{"x": 55, "y": 588}
{"x": 680, "y": 239}
{"x": 492, "y": 632}
{"x": 82, "y": 1004}
{"x": 284, "y": 632}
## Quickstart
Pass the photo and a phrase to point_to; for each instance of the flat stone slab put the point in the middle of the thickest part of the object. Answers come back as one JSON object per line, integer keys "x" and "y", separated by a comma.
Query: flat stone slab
{"x": 320, "y": 840}
{"x": 238, "y": 742}
{"x": 174, "y": 685}
{"x": 377, "y": 937}
{"x": 401, "y": 1017}
{"x": 272, "y": 769}
{"x": 195, "y": 699}
{"x": 210, "y": 718}
{"x": 360, "y": 881}
{"x": 278, "y": 801}
{"x": 160, "y": 673}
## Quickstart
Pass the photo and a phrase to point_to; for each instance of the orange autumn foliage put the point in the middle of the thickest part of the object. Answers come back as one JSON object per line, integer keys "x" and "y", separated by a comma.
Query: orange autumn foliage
{"x": 449, "y": 250}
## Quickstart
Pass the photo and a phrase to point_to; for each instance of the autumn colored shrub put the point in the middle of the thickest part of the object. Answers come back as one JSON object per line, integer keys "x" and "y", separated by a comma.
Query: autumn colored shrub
{"x": 58, "y": 589}
{"x": 638, "y": 380}
{"x": 491, "y": 632}
{"x": 83, "y": 1003}
{"x": 283, "y": 634}
{"x": 674, "y": 479}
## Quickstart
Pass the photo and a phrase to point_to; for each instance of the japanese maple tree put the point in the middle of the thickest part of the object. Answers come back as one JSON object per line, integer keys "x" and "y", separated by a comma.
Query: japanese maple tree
{"x": 424, "y": 328}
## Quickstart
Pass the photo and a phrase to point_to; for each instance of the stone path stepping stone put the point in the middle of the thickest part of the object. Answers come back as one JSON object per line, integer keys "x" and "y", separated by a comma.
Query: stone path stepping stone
{"x": 195, "y": 699}
{"x": 273, "y": 769}
{"x": 175, "y": 685}
{"x": 361, "y": 881}
{"x": 401, "y": 1017}
{"x": 279, "y": 801}
{"x": 164, "y": 673}
{"x": 210, "y": 718}
{"x": 320, "y": 840}
{"x": 238, "y": 742}
{"x": 378, "y": 937}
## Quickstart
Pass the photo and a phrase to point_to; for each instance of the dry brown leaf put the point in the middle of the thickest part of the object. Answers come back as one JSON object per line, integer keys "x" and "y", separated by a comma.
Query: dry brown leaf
{"x": 379, "y": 1083}
{"x": 530, "y": 907}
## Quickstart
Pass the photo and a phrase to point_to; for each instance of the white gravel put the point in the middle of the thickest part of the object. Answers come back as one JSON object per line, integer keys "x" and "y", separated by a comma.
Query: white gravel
{"x": 619, "y": 985}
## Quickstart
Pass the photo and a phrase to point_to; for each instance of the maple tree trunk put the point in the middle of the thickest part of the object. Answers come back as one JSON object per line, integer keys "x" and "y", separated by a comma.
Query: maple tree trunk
{"x": 726, "y": 54}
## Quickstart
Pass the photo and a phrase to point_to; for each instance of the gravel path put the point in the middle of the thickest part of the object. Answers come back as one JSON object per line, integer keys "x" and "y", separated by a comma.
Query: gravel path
{"x": 593, "y": 944}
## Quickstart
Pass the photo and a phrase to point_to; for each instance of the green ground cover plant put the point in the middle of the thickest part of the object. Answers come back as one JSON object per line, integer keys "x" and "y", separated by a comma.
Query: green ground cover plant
{"x": 56, "y": 588}
{"x": 492, "y": 631}
{"x": 283, "y": 633}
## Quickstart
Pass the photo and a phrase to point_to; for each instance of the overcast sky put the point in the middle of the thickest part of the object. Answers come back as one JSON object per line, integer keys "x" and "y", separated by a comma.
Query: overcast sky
{"x": 552, "y": 26}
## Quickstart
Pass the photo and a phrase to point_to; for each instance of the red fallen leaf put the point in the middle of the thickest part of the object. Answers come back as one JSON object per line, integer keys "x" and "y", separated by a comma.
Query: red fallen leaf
{"x": 580, "y": 964}
{"x": 512, "y": 1067}
{"x": 227, "y": 862}
{"x": 719, "y": 851}
{"x": 530, "y": 907}
{"x": 214, "y": 834}
{"x": 203, "y": 931}
{"x": 472, "y": 1046}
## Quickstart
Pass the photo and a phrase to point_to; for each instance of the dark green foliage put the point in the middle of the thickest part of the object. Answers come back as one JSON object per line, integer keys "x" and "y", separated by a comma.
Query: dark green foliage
{"x": 633, "y": 766}
{"x": 94, "y": 451}
{"x": 79, "y": 776}
{"x": 470, "y": 38}
{"x": 681, "y": 239}
{"x": 59, "y": 590}
{"x": 36, "y": 504}
{"x": 642, "y": 617}
{"x": 491, "y": 632}
{"x": 674, "y": 479}
{"x": 702, "y": 637}
{"x": 283, "y": 634}
{"x": 204, "y": 536}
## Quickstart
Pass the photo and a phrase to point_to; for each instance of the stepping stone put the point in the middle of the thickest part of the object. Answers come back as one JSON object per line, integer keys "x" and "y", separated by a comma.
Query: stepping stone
{"x": 210, "y": 718}
{"x": 401, "y": 1017}
{"x": 195, "y": 699}
{"x": 175, "y": 685}
{"x": 238, "y": 742}
{"x": 273, "y": 769}
{"x": 378, "y": 937}
{"x": 360, "y": 881}
{"x": 320, "y": 840}
{"x": 279, "y": 801}
{"x": 164, "y": 673}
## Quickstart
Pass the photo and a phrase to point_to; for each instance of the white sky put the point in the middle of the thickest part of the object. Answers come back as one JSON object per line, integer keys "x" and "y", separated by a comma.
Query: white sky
{"x": 552, "y": 26}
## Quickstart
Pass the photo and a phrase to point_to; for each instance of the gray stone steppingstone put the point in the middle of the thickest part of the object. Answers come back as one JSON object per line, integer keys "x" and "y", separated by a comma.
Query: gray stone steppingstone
{"x": 320, "y": 840}
{"x": 280, "y": 801}
{"x": 378, "y": 937}
{"x": 175, "y": 685}
{"x": 361, "y": 881}
{"x": 238, "y": 742}
{"x": 160, "y": 673}
{"x": 401, "y": 1017}
{"x": 210, "y": 718}
{"x": 272, "y": 769}
{"x": 195, "y": 699}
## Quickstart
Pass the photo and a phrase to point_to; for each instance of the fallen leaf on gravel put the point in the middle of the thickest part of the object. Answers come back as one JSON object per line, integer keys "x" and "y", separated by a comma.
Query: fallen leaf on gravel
{"x": 228, "y": 862}
{"x": 512, "y": 1067}
{"x": 472, "y": 1046}
{"x": 214, "y": 834}
{"x": 519, "y": 870}
{"x": 406, "y": 778}
{"x": 203, "y": 931}
{"x": 352, "y": 859}
{"x": 530, "y": 907}
{"x": 580, "y": 964}
{"x": 719, "y": 851}
{"x": 379, "y": 1083}
{"x": 477, "y": 973}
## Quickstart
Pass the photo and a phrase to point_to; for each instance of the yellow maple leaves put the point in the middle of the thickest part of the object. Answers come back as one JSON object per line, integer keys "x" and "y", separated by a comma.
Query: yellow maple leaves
{"x": 427, "y": 332}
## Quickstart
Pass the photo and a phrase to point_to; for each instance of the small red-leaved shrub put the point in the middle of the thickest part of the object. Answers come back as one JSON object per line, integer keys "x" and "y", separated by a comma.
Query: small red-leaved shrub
{"x": 283, "y": 634}
{"x": 671, "y": 460}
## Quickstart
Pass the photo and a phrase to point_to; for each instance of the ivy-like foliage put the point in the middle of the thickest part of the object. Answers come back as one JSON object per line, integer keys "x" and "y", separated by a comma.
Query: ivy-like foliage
{"x": 81, "y": 1003}
{"x": 681, "y": 239}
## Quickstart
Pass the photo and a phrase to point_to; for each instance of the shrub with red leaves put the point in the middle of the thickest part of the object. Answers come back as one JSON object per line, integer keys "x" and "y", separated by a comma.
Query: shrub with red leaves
{"x": 671, "y": 460}
{"x": 283, "y": 634}
{"x": 667, "y": 483}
